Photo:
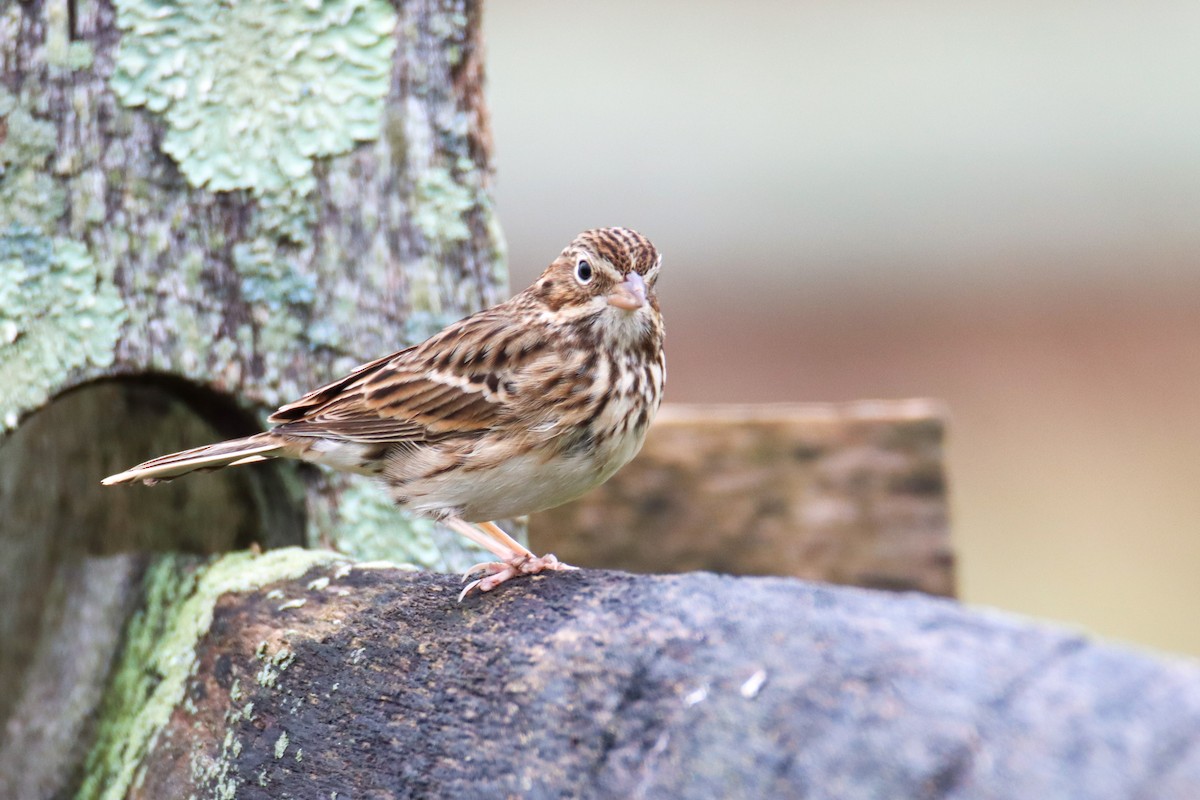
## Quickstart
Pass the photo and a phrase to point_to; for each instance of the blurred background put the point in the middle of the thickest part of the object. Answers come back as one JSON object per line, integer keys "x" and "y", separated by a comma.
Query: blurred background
{"x": 995, "y": 204}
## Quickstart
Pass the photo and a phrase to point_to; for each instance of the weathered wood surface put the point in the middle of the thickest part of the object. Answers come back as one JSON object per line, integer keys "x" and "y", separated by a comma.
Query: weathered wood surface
{"x": 851, "y": 493}
{"x": 374, "y": 683}
{"x": 44, "y": 742}
{"x": 234, "y": 217}
{"x": 205, "y": 210}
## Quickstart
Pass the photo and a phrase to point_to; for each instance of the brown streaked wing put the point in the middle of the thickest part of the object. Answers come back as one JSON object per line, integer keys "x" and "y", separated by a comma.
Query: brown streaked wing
{"x": 423, "y": 393}
{"x": 355, "y": 430}
{"x": 317, "y": 398}
{"x": 398, "y": 405}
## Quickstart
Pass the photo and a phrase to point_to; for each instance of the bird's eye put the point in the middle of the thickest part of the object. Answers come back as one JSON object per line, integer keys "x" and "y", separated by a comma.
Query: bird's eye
{"x": 583, "y": 272}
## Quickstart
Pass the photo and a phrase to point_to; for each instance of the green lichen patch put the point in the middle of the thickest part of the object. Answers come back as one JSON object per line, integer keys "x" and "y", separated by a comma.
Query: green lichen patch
{"x": 59, "y": 312}
{"x": 270, "y": 282}
{"x": 218, "y": 775}
{"x": 60, "y": 50}
{"x": 253, "y": 92}
{"x": 446, "y": 205}
{"x": 281, "y": 745}
{"x": 451, "y": 27}
{"x": 280, "y": 293}
{"x": 80, "y": 55}
{"x": 29, "y": 197}
{"x": 286, "y": 215}
{"x": 272, "y": 667}
{"x": 442, "y": 205}
{"x": 159, "y": 654}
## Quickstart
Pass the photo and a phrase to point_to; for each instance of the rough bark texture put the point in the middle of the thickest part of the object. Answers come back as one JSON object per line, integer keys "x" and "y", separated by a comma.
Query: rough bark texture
{"x": 374, "y": 683}
{"x": 205, "y": 210}
{"x": 852, "y": 494}
{"x": 360, "y": 225}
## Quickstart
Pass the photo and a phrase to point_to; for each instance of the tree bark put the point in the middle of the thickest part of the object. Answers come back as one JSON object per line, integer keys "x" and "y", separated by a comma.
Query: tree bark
{"x": 360, "y": 682}
{"x": 231, "y": 217}
{"x": 207, "y": 209}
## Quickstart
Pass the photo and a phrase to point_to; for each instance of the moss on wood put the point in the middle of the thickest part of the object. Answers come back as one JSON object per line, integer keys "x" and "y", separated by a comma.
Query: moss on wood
{"x": 160, "y": 654}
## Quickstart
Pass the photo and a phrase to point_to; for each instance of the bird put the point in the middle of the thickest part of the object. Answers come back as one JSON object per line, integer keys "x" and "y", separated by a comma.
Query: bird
{"x": 515, "y": 409}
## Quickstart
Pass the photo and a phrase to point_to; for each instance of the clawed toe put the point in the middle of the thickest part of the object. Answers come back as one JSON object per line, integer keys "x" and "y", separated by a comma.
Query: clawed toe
{"x": 499, "y": 572}
{"x": 547, "y": 563}
{"x": 484, "y": 566}
{"x": 467, "y": 590}
{"x": 551, "y": 562}
{"x": 487, "y": 583}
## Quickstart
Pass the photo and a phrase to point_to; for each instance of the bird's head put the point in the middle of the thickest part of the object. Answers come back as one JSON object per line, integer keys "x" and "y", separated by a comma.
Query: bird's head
{"x": 605, "y": 278}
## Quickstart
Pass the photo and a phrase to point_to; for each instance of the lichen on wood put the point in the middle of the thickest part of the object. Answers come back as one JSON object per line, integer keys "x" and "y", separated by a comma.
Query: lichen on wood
{"x": 597, "y": 684}
{"x": 59, "y": 313}
{"x": 275, "y": 204}
{"x": 253, "y": 92}
{"x": 29, "y": 196}
{"x": 159, "y": 655}
{"x": 222, "y": 275}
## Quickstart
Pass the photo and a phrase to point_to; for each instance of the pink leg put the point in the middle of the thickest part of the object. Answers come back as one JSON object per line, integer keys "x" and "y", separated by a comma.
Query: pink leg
{"x": 515, "y": 558}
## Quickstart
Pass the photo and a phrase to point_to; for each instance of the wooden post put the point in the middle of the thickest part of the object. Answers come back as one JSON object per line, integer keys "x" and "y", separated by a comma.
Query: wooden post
{"x": 366, "y": 682}
{"x": 205, "y": 210}
{"x": 851, "y": 493}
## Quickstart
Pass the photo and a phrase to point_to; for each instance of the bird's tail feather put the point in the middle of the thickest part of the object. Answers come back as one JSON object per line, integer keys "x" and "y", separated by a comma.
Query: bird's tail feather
{"x": 259, "y": 447}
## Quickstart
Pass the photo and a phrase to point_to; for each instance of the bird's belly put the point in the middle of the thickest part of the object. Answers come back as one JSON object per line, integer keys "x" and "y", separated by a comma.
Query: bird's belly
{"x": 520, "y": 485}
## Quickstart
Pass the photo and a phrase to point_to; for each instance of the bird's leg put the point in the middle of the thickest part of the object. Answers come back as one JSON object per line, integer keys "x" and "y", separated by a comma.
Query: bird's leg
{"x": 515, "y": 558}
{"x": 487, "y": 541}
{"x": 497, "y": 533}
{"x": 528, "y": 565}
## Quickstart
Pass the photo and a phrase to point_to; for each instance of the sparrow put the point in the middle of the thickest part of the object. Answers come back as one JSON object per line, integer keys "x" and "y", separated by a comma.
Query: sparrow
{"x": 517, "y": 408}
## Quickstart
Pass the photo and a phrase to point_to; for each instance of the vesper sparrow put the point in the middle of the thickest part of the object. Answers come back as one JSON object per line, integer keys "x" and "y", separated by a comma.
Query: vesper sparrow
{"x": 515, "y": 409}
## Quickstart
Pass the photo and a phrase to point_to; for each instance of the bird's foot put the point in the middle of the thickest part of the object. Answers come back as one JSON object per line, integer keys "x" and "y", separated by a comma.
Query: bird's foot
{"x": 497, "y": 572}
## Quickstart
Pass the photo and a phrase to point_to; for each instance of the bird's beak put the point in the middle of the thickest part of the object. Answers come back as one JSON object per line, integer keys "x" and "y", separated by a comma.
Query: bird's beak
{"x": 630, "y": 294}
